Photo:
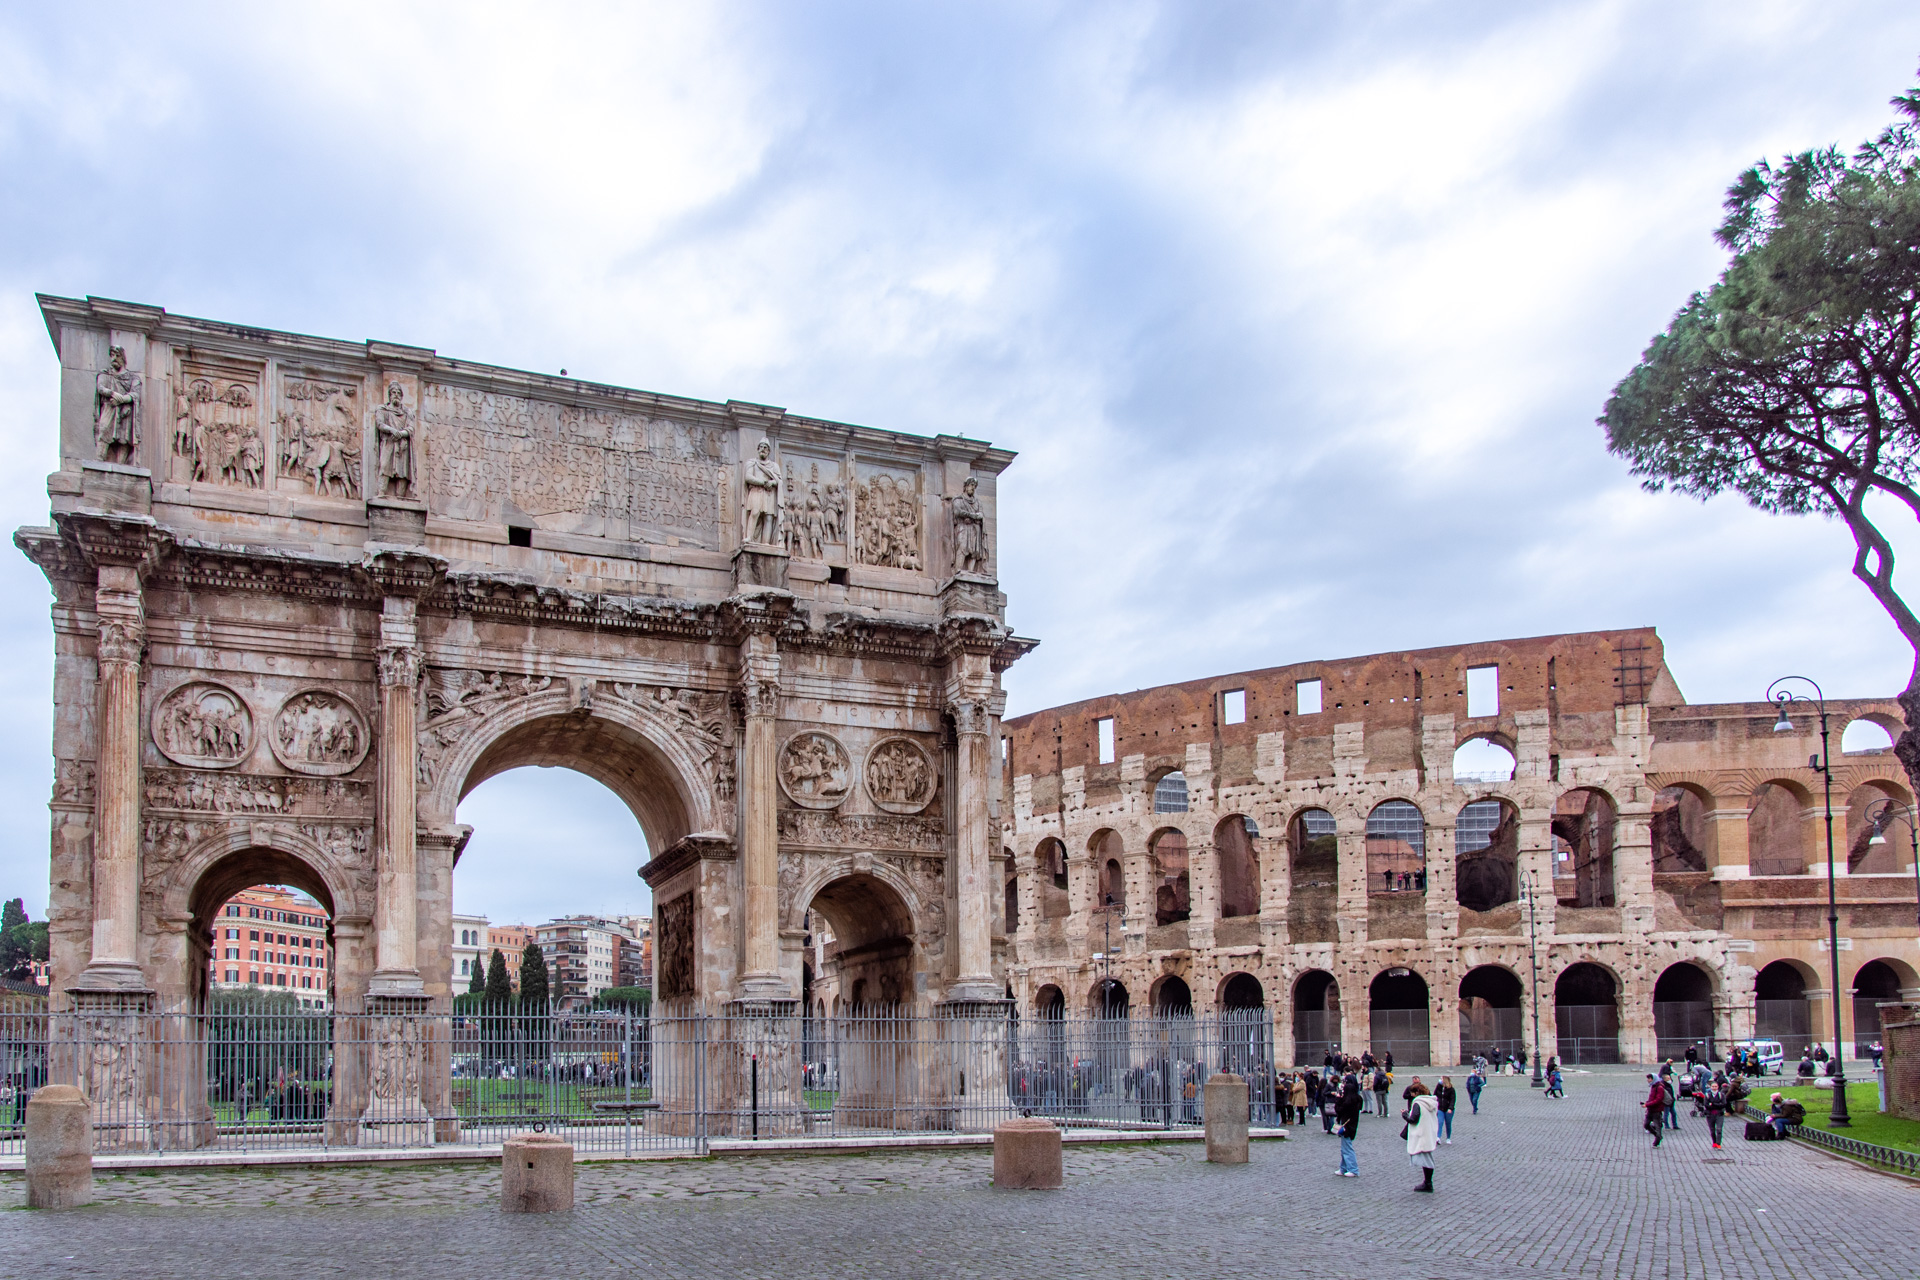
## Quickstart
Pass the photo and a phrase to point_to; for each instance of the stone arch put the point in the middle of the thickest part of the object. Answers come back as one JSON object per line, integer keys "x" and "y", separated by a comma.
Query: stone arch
{"x": 1779, "y": 841}
{"x": 1399, "y": 1011}
{"x": 1050, "y": 1002}
{"x": 1585, "y": 827}
{"x": 1478, "y": 758}
{"x": 633, "y": 749}
{"x": 1239, "y": 866}
{"x": 1490, "y": 1015}
{"x": 1780, "y": 1007}
{"x": 1050, "y": 880}
{"x": 1108, "y": 998}
{"x": 1683, "y": 1009}
{"x": 1586, "y": 1012}
{"x": 1241, "y": 990}
{"x": 1681, "y": 831}
{"x": 239, "y": 858}
{"x": 1108, "y": 853}
{"x": 1171, "y": 996}
{"x": 1876, "y": 982}
{"x": 1168, "y": 787}
{"x": 1877, "y": 799}
{"x": 1313, "y": 874}
{"x": 1486, "y": 846}
{"x": 1869, "y": 742}
{"x": 872, "y": 956}
{"x": 1396, "y": 847}
{"x": 1316, "y": 1016}
{"x": 1172, "y": 885}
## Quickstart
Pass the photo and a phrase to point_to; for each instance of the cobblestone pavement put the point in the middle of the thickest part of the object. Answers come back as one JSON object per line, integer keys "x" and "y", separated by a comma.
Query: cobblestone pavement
{"x": 1530, "y": 1188}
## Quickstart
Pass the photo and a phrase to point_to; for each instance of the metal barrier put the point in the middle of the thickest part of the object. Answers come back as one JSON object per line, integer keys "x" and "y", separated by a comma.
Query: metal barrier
{"x": 246, "y": 1075}
{"x": 1907, "y": 1162}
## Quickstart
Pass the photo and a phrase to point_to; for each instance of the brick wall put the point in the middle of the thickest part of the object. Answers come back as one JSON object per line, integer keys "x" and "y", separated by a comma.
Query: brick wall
{"x": 1900, "y": 1035}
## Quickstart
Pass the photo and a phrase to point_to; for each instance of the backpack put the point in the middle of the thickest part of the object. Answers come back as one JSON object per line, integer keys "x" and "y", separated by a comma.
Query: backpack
{"x": 1666, "y": 1091}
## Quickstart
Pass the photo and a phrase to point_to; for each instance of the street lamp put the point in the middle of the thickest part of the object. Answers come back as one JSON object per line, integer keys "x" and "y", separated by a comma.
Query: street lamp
{"x": 1533, "y": 954}
{"x": 1887, "y": 810}
{"x": 1106, "y": 913}
{"x": 1838, "y": 1118}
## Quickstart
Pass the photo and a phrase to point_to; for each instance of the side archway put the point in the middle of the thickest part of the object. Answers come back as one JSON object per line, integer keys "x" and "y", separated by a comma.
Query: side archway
{"x": 1398, "y": 1017}
{"x": 1586, "y": 1012}
{"x": 1316, "y": 1017}
{"x": 1780, "y": 1007}
{"x": 1490, "y": 1016}
{"x": 1683, "y": 1011}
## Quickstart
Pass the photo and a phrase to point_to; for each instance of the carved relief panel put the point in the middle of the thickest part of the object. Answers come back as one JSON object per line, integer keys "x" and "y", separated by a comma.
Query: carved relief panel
{"x": 217, "y": 435}
{"x": 203, "y": 725}
{"x": 320, "y": 434}
{"x": 319, "y": 732}
{"x": 814, "y": 508}
{"x": 815, "y": 770}
{"x": 886, "y": 522}
{"x": 899, "y": 775}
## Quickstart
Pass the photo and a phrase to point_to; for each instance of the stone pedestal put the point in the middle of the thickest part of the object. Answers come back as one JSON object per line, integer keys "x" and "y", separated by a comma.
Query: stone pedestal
{"x": 977, "y": 1033}
{"x": 397, "y": 522}
{"x": 59, "y": 1148}
{"x": 760, "y": 567}
{"x": 1226, "y": 1116}
{"x": 115, "y": 487}
{"x": 754, "y": 1084}
{"x": 1026, "y": 1155}
{"x": 107, "y": 1050}
{"x": 536, "y": 1174}
{"x": 396, "y": 1112}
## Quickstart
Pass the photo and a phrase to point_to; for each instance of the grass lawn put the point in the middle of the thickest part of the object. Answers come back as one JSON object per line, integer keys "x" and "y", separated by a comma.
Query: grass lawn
{"x": 1863, "y": 1104}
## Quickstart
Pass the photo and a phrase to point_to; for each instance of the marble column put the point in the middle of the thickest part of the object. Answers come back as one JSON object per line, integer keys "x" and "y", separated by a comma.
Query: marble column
{"x": 972, "y": 921}
{"x": 396, "y": 940}
{"x": 115, "y": 965}
{"x": 759, "y": 826}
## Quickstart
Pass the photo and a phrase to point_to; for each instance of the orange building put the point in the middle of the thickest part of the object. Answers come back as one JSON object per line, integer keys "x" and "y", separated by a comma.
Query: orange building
{"x": 510, "y": 940}
{"x": 272, "y": 939}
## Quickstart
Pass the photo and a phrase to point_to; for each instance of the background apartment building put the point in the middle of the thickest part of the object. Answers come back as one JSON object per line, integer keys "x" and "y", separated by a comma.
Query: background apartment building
{"x": 583, "y": 957}
{"x": 472, "y": 948}
{"x": 272, "y": 939}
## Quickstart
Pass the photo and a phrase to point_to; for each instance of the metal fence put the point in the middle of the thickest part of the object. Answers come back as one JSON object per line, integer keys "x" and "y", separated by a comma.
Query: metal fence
{"x": 1589, "y": 1034}
{"x": 250, "y": 1076}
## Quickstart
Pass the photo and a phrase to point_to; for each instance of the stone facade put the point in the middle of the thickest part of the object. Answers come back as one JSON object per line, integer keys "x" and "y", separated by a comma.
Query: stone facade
{"x": 1325, "y": 850}
{"x": 309, "y": 593}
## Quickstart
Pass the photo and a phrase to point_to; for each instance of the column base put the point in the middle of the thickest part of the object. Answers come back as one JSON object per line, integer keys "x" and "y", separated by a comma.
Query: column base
{"x": 399, "y": 983}
{"x": 976, "y": 991}
{"x": 396, "y": 1113}
{"x": 764, "y": 988}
{"x": 108, "y": 1052}
{"x": 120, "y": 977}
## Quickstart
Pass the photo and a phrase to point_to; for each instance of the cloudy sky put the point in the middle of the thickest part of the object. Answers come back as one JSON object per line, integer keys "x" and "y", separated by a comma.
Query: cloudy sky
{"x": 1299, "y": 315}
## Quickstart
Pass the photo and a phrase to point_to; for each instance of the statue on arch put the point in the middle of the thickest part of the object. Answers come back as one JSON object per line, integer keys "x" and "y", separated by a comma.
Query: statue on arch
{"x": 393, "y": 426}
{"x": 761, "y": 509}
{"x": 969, "y": 531}
{"x": 116, "y": 410}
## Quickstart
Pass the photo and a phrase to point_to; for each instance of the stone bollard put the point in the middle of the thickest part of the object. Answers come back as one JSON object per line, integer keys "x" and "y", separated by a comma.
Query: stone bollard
{"x": 536, "y": 1174}
{"x": 1226, "y": 1113}
{"x": 59, "y": 1148}
{"x": 1026, "y": 1155}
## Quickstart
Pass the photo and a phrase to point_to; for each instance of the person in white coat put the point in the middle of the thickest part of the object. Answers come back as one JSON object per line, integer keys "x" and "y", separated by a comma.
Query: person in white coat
{"x": 1423, "y": 1135}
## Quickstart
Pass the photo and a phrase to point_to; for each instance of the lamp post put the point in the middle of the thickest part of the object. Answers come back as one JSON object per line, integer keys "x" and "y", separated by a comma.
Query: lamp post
{"x": 1533, "y": 954}
{"x": 1838, "y": 1118}
{"x": 1106, "y": 912}
{"x": 1888, "y": 809}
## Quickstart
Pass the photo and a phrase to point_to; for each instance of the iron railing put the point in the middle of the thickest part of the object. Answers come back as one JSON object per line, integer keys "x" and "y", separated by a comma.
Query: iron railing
{"x": 243, "y": 1075}
{"x": 1906, "y": 1162}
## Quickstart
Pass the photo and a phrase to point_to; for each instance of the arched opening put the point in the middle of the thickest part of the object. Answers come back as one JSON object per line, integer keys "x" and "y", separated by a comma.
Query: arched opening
{"x": 1396, "y": 848}
{"x": 1680, "y": 834}
{"x": 1010, "y": 903}
{"x": 1239, "y": 869}
{"x": 1050, "y": 867}
{"x": 1172, "y": 892}
{"x": 1482, "y": 759}
{"x": 1170, "y": 793}
{"x": 1867, "y": 736}
{"x": 1583, "y": 834}
{"x": 870, "y": 956}
{"x": 1875, "y": 983}
{"x": 1777, "y": 834}
{"x": 1109, "y": 999}
{"x": 1050, "y": 1004}
{"x": 1683, "y": 1012}
{"x": 1490, "y": 1017}
{"x": 1399, "y": 1018}
{"x": 869, "y": 959}
{"x": 1486, "y": 846}
{"x": 1242, "y": 991}
{"x": 1108, "y": 854}
{"x": 1313, "y": 871}
{"x": 261, "y": 968}
{"x": 1316, "y": 1017}
{"x": 1172, "y": 997}
{"x": 1876, "y": 809}
{"x": 1586, "y": 1011}
{"x": 1780, "y": 1008}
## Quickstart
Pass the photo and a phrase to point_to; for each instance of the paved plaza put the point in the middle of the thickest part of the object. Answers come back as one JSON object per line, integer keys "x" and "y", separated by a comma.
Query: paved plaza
{"x": 1530, "y": 1188}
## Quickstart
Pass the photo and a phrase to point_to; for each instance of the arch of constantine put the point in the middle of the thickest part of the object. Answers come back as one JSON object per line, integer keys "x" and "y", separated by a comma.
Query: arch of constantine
{"x": 1297, "y": 839}
{"x": 307, "y": 594}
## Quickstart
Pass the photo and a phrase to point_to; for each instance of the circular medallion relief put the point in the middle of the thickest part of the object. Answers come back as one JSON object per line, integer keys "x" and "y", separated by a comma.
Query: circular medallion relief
{"x": 204, "y": 725}
{"x": 815, "y": 770}
{"x": 899, "y": 775}
{"x": 319, "y": 732}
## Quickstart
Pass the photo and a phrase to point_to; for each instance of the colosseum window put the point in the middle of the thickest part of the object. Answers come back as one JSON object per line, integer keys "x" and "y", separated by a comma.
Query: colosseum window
{"x": 1396, "y": 848}
{"x": 1170, "y": 793}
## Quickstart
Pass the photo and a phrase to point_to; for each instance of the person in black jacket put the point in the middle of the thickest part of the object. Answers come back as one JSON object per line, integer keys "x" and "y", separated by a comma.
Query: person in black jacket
{"x": 1347, "y": 1112}
{"x": 1444, "y": 1097}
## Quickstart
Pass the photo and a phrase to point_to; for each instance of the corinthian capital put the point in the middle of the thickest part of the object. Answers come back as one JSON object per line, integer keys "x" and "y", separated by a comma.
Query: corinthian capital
{"x": 121, "y": 640}
{"x": 399, "y": 666}
{"x": 969, "y": 716}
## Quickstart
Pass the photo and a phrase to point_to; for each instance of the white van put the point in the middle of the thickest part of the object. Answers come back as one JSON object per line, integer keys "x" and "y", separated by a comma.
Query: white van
{"x": 1772, "y": 1055}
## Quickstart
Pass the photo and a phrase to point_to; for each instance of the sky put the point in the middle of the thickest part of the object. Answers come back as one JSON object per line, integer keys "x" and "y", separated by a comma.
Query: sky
{"x": 1298, "y": 315}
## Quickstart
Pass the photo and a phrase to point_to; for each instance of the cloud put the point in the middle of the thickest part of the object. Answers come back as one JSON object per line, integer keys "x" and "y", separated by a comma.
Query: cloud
{"x": 1299, "y": 316}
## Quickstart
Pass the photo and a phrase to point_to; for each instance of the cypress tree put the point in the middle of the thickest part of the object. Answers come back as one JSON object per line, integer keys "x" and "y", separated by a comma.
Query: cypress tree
{"x": 533, "y": 1001}
{"x": 499, "y": 987}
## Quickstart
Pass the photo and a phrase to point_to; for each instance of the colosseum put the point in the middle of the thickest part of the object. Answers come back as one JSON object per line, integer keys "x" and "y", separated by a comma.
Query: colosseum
{"x": 1404, "y": 850}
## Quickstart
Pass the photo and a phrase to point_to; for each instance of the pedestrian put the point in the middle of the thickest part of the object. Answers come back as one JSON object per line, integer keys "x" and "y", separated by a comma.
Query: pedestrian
{"x": 1423, "y": 1133}
{"x": 1713, "y": 1101}
{"x": 1672, "y": 1113}
{"x": 1475, "y": 1083}
{"x": 1556, "y": 1087}
{"x": 1299, "y": 1100}
{"x": 1656, "y": 1106}
{"x": 1444, "y": 1098}
{"x": 1382, "y": 1083}
{"x": 1283, "y": 1098}
{"x": 1347, "y": 1112}
{"x": 1389, "y": 1062}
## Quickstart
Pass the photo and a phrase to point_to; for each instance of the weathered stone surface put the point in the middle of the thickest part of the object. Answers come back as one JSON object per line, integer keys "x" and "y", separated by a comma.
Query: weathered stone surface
{"x": 1026, "y": 1155}
{"x": 1225, "y": 1103}
{"x": 59, "y": 1148}
{"x": 536, "y": 1174}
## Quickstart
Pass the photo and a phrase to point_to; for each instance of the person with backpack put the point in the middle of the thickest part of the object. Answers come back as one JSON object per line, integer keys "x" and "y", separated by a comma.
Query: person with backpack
{"x": 1670, "y": 1113}
{"x": 1382, "y": 1083}
{"x": 1444, "y": 1098}
{"x": 1475, "y": 1083}
{"x": 1655, "y": 1106}
{"x": 1556, "y": 1085}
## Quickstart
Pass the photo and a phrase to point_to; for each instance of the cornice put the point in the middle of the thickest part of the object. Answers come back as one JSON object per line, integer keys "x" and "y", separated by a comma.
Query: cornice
{"x": 686, "y": 852}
